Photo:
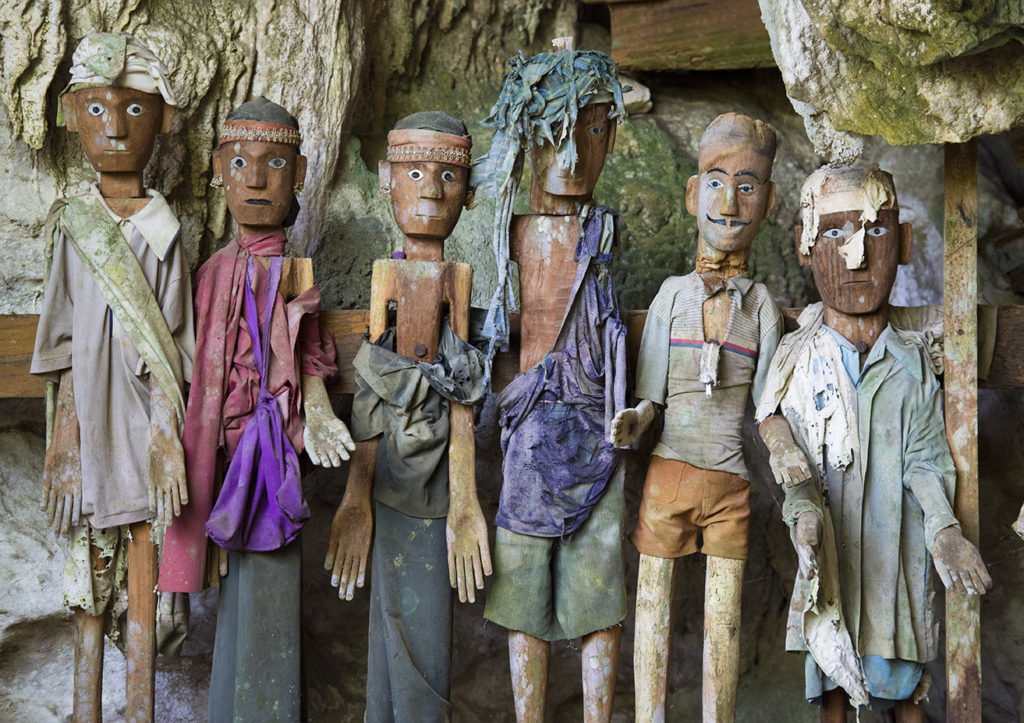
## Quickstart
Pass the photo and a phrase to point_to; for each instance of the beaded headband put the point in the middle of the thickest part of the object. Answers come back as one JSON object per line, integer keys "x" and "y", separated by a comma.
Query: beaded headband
{"x": 416, "y": 144}
{"x": 248, "y": 130}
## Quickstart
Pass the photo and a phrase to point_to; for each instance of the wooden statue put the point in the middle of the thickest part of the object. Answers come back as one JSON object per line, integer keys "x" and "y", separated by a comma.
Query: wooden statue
{"x": 257, "y": 400}
{"x": 558, "y": 552}
{"x": 412, "y": 417}
{"x": 860, "y": 449}
{"x": 116, "y": 330}
{"x": 707, "y": 343}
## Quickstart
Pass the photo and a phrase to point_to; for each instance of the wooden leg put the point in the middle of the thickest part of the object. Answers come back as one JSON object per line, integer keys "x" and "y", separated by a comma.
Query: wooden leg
{"x": 833, "y": 706}
{"x": 88, "y": 700}
{"x": 600, "y": 670}
{"x": 528, "y": 657}
{"x": 722, "y": 592}
{"x": 653, "y": 640}
{"x": 141, "y": 643}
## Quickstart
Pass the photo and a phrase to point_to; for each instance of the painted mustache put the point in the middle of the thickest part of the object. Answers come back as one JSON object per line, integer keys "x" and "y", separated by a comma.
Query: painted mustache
{"x": 259, "y": 202}
{"x": 726, "y": 222}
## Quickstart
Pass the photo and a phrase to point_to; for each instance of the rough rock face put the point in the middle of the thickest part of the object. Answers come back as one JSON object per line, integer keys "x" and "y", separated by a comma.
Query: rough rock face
{"x": 369, "y": 63}
{"x": 912, "y": 72}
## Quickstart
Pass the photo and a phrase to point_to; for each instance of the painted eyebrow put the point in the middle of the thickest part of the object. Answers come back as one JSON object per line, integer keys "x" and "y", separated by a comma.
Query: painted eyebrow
{"x": 749, "y": 173}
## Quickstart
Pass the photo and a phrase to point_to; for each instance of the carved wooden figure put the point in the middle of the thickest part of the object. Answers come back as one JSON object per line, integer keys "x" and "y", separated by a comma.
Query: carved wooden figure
{"x": 257, "y": 400}
{"x": 852, "y": 415}
{"x": 413, "y": 467}
{"x": 116, "y": 330}
{"x": 707, "y": 342}
{"x": 558, "y": 554}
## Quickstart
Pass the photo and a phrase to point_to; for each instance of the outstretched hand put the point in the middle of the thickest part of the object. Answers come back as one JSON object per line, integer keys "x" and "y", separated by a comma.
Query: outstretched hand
{"x": 787, "y": 460}
{"x": 62, "y": 470}
{"x": 808, "y": 537}
{"x": 165, "y": 458}
{"x": 629, "y": 424}
{"x": 348, "y": 549}
{"x": 327, "y": 440}
{"x": 959, "y": 563}
{"x": 469, "y": 554}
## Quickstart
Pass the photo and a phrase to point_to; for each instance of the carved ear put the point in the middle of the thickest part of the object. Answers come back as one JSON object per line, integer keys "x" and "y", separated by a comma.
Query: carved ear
{"x": 384, "y": 178}
{"x": 797, "y": 237}
{"x": 168, "y": 116}
{"x": 300, "y": 170}
{"x": 68, "y": 106}
{"x": 906, "y": 241}
{"x": 691, "y": 195}
{"x": 613, "y": 124}
{"x": 217, "y": 166}
{"x": 770, "y": 204}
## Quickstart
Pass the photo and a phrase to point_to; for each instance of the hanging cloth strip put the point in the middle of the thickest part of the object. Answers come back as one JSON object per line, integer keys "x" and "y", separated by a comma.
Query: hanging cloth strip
{"x": 260, "y": 506}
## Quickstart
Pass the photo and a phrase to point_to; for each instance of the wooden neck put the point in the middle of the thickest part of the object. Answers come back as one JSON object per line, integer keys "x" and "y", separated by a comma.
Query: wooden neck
{"x": 859, "y": 328}
{"x": 123, "y": 192}
{"x": 550, "y": 205}
{"x": 422, "y": 249}
{"x": 724, "y": 264}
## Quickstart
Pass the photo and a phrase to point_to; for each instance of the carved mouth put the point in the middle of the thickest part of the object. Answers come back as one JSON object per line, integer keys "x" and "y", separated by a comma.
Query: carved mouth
{"x": 259, "y": 202}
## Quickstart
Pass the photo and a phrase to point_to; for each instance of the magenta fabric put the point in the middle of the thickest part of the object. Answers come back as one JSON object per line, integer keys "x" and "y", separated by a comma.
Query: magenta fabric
{"x": 225, "y": 387}
{"x": 260, "y": 505}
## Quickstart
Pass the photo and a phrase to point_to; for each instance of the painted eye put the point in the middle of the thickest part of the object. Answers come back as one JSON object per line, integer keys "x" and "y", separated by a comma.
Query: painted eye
{"x": 238, "y": 162}
{"x": 95, "y": 109}
{"x": 415, "y": 174}
{"x": 134, "y": 109}
{"x": 447, "y": 176}
{"x": 277, "y": 162}
{"x": 595, "y": 130}
{"x": 833, "y": 233}
{"x": 715, "y": 184}
{"x": 746, "y": 188}
{"x": 877, "y": 231}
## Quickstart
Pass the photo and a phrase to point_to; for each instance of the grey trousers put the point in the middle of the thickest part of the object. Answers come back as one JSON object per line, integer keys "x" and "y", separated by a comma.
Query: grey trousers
{"x": 409, "y": 667}
{"x": 257, "y": 653}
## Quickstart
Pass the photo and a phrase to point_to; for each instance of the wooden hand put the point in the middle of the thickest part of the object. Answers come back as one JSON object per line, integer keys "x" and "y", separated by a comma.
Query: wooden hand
{"x": 327, "y": 440}
{"x": 787, "y": 460}
{"x": 168, "y": 489}
{"x": 808, "y": 537}
{"x": 62, "y": 470}
{"x": 348, "y": 550}
{"x": 629, "y": 424}
{"x": 469, "y": 554}
{"x": 959, "y": 563}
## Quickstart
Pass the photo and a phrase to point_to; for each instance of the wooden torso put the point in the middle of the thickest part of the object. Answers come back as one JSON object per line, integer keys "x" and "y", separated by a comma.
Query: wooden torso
{"x": 423, "y": 292}
{"x": 296, "y": 275}
{"x": 545, "y": 249}
{"x": 716, "y": 310}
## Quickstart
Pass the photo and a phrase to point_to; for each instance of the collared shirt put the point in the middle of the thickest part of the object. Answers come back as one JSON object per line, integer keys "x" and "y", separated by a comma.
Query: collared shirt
{"x": 706, "y": 432}
{"x": 890, "y": 500}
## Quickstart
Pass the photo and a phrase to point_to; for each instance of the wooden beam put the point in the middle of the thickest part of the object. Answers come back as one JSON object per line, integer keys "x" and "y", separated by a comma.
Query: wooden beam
{"x": 18, "y": 331}
{"x": 960, "y": 304}
{"x": 689, "y": 35}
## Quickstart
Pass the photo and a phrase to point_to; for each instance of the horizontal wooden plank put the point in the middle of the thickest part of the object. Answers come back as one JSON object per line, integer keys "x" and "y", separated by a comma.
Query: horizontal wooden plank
{"x": 17, "y": 335}
{"x": 689, "y": 35}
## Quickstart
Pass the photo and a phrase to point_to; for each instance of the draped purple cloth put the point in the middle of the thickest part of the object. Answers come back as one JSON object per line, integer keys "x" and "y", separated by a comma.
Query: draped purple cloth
{"x": 260, "y": 506}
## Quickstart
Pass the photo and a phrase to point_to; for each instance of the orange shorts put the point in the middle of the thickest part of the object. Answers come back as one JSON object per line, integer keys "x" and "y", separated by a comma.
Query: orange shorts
{"x": 680, "y": 500}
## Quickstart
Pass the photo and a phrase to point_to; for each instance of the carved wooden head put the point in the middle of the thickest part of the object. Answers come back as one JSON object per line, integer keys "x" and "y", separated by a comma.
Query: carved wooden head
{"x": 426, "y": 174}
{"x": 732, "y": 191}
{"x": 851, "y": 237}
{"x": 594, "y": 135}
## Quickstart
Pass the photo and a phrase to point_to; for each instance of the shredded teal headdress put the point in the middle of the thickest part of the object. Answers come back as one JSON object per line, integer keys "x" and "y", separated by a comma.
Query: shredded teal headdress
{"x": 539, "y": 101}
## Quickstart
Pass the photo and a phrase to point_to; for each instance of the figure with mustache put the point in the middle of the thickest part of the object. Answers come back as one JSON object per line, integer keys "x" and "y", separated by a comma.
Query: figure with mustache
{"x": 854, "y": 405}
{"x": 412, "y": 482}
{"x": 257, "y": 401}
{"x": 115, "y": 331}
{"x": 707, "y": 343}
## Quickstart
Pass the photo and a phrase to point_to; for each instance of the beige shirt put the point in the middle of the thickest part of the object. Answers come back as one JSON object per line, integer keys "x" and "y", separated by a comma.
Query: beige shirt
{"x": 77, "y": 331}
{"x": 702, "y": 431}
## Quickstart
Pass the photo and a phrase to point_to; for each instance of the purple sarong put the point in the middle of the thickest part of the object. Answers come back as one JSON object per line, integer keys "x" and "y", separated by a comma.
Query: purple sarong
{"x": 260, "y": 505}
{"x": 555, "y": 416}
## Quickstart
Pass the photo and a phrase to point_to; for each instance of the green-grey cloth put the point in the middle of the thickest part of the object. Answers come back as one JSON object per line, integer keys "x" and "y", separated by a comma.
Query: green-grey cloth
{"x": 410, "y": 647}
{"x": 407, "y": 402}
{"x": 257, "y": 653}
{"x": 556, "y": 589}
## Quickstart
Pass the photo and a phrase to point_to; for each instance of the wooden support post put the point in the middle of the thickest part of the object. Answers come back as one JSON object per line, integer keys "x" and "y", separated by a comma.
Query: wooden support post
{"x": 960, "y": 291}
